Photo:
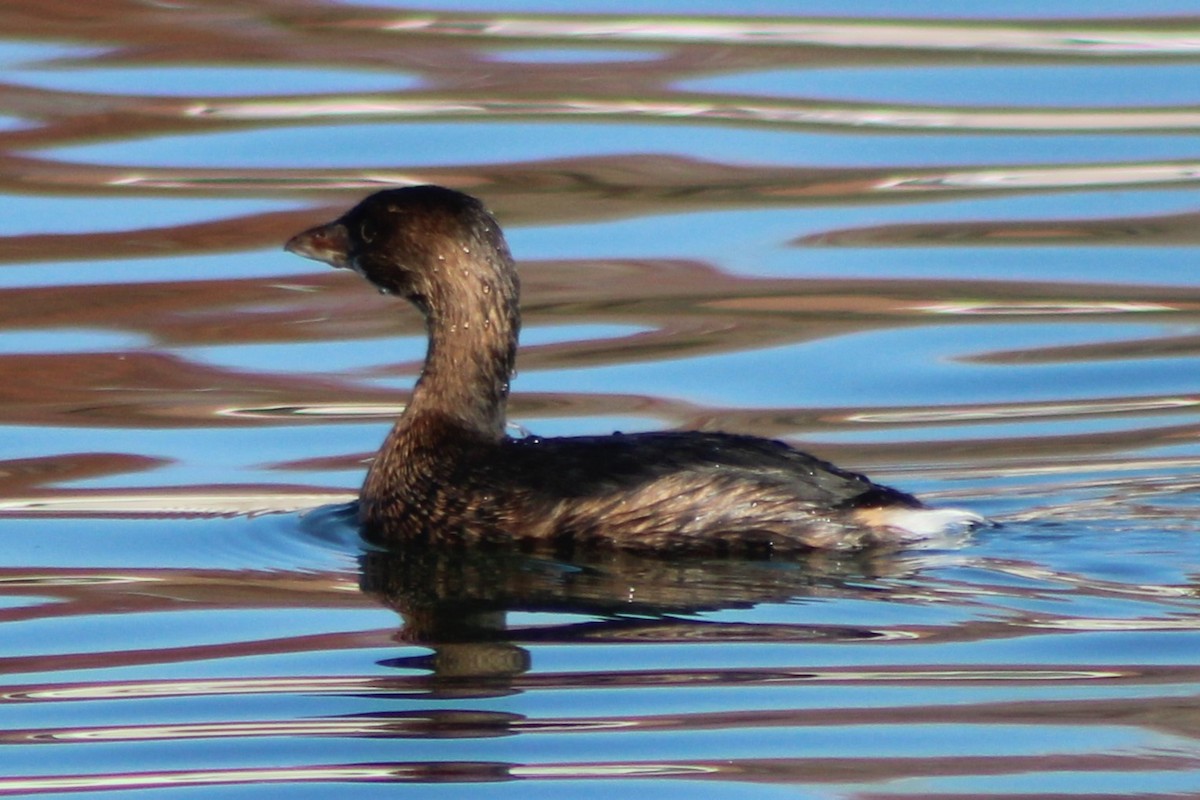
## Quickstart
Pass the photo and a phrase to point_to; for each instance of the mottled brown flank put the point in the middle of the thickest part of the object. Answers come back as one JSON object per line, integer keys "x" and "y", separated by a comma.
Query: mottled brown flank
{"x": 448, "y": 472}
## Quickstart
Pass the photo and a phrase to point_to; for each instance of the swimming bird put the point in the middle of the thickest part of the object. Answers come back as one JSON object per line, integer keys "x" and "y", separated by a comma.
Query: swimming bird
{"x": 448, "y": 471}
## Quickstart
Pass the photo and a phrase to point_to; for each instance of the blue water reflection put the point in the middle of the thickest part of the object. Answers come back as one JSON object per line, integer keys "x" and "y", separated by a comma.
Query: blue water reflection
{"x": 272, "y": 262}
{"x": 755, "y": 242}
{"x": 416, "y": 144}
{"x": 916, "y": 367}
{"x": 15, "y": 54}
{"x": 171, "y": 81}
{"x": 40, "y": 215}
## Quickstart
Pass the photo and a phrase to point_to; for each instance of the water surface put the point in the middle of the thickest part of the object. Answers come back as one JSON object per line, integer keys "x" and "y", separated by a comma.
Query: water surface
{"x": 954, "y": 247}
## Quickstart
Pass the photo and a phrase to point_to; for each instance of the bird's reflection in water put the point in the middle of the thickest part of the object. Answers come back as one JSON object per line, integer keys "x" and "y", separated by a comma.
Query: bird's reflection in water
{"x": 456, "y": 602}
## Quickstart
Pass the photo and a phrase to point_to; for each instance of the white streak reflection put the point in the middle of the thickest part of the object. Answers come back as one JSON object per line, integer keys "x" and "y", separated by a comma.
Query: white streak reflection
{"x": 988, "y": 37}
{"x": 1024, "y": 411}
{"x": 1051, "y": 177}
{"x": 966, "y": 308}
{"x": 730, "y": 110}
{"x": 172, "y": 503}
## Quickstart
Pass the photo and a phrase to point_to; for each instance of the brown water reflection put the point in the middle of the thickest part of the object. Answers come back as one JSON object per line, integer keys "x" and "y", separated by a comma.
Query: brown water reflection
{"x": 682, "y": 309}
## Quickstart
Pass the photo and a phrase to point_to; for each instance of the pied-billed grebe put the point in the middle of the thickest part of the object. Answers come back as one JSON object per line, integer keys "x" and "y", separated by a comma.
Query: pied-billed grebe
{"x": 447, "y": 471}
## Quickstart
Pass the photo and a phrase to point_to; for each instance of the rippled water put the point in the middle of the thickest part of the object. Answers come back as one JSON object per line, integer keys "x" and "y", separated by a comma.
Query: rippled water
{"x": 957, "y": 251}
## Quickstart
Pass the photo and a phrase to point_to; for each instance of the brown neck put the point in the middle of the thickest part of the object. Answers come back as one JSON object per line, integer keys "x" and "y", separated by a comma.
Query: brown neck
{"x": 471, "y": 356}
{"x": 472, "y": 318}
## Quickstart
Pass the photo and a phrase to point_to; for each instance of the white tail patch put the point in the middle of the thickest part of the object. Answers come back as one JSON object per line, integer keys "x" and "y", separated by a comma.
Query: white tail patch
{"x": 910, "y": 525}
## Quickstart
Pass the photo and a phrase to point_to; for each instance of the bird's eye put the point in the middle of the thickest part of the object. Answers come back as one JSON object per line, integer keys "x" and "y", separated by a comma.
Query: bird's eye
{"x": 366, "y": 232}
